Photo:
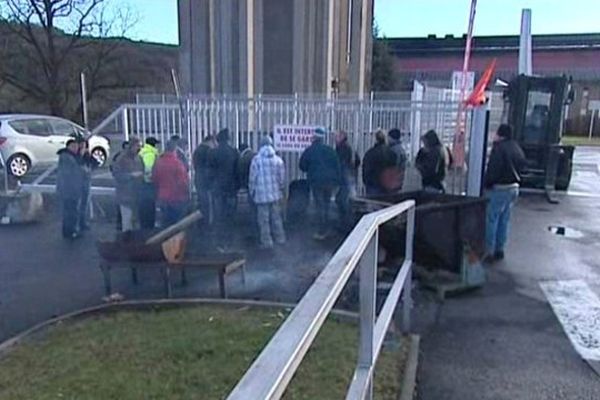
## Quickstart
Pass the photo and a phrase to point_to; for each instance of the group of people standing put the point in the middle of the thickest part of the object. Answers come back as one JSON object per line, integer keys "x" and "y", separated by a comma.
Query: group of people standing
{"x": 145, "y": 178}
{"x": 221, "y": 171}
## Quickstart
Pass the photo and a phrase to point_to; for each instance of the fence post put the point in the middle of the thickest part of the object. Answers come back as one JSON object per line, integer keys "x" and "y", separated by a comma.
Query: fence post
{"x": 407, "y": 291}
{"x": 371, "y": 113}
{"x": 477, "y": 141}
{"x": 367, "y": 293}
{"x": 126, "y": 123}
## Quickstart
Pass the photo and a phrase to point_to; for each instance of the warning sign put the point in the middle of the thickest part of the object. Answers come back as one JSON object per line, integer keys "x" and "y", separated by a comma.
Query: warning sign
{"x": 294, "y": 138}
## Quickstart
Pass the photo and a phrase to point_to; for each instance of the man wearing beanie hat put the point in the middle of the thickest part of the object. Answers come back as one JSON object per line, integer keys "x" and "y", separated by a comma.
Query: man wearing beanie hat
{"x": 266, "y": 184}
{"x": 70, "y": 180}
{"x": 322, "y": 167}
{"x": 502, "y": 179}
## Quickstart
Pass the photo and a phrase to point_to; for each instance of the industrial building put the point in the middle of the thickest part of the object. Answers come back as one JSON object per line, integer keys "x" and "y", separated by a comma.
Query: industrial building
{"x": 433, "y": 59}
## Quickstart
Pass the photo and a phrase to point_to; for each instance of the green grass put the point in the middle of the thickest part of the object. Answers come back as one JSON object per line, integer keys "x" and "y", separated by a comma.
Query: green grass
{"x": 186, "y": 353}
{"x": 580, "y": 141}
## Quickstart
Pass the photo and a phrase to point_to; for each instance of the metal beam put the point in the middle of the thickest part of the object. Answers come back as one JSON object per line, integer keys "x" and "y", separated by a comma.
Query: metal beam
{"x": 273, "y": 369}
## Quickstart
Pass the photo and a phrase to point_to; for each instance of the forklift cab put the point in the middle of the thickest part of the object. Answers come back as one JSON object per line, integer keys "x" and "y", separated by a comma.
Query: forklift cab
{"x": 536, "y": 113}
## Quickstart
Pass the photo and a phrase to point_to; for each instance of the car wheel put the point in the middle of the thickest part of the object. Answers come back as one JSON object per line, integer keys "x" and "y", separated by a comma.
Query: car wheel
{"x": 19, "y": 165}
{"x": 99, "y": 155}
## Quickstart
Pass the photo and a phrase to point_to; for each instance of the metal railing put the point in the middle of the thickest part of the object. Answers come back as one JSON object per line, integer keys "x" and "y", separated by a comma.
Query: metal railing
{"x": 271, "y": 372}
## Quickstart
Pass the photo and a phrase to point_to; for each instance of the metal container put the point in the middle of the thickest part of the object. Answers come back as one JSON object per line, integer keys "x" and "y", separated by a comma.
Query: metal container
{"x": 449, "y": 229}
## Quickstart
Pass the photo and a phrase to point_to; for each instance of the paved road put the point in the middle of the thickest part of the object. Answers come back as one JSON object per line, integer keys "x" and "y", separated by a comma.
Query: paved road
{"x": 505, "y": 342}
{"x": 41, "y": 275}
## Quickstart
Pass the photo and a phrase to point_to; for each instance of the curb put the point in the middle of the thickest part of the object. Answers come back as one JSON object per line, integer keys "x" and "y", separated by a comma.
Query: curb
{"x": 409, "y": 381}
{"x": 141, "y": 304}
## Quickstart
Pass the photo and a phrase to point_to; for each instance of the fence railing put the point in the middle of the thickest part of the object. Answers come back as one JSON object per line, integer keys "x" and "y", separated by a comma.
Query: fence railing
{"x": 271, "y": 372}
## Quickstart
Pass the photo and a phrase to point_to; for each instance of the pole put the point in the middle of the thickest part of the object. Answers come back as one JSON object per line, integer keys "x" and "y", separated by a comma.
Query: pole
{"x": 362, "y": 65}
{"x": 459, "y": 137}
{"x": 592, "y": 124}
{"x": 525, "y": 64}
{"x": 477, "y": 140}
{"x": 250, "y": 46}
{"x": 84, "y": 101}
{"x": 175, "y": 83}
{"x": 329, "y": 79}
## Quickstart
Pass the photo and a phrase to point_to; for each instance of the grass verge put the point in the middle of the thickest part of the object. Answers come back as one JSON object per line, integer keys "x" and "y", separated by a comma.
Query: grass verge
{"x": 185, "y": 353}
{"x": 580, "y": 141}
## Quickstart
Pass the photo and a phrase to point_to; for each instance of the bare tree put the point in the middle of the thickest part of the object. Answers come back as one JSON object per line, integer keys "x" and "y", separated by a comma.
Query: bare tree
{"x": 51, "y": 41}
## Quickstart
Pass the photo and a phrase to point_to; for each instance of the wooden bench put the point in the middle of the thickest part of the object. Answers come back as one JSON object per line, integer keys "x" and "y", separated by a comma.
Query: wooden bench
{"x": 167, "y": 256}
{"x": 224, "y": 267}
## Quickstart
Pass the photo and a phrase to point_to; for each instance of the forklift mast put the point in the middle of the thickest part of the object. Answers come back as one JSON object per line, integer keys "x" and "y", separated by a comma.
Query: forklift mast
{"x": 536, "y": 113}
{"x": 537, "y": 109}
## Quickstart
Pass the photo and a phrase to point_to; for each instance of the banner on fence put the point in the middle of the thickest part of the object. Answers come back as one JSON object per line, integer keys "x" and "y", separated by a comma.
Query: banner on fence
{"x": 294, "y": 138}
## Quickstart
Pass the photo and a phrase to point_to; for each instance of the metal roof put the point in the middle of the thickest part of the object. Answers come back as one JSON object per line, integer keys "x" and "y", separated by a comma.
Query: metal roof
{"x": 449, "y": 43}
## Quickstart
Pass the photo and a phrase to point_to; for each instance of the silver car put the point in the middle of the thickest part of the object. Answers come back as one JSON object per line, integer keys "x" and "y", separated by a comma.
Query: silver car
{"x": 27, "y": 141}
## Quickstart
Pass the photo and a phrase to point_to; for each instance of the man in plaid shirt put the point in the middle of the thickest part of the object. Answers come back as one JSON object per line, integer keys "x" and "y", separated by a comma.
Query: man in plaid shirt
{"x": 266, "y": 183}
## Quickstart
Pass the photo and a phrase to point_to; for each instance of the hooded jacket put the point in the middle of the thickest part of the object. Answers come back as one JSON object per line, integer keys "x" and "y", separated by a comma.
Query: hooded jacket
{"x": 377, "y": 159}
{"x": 431, "y": 161}
{"x": 321, "y": 164}
{"x": 267, "y": 176}
{"x": 171, "y": 179}
{"x": 70, "y": 176}
{"x": 223, "y": 162}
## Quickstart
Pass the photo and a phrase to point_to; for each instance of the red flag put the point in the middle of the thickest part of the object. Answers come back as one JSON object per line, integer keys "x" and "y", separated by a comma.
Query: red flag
{"x": 477, "y": 97}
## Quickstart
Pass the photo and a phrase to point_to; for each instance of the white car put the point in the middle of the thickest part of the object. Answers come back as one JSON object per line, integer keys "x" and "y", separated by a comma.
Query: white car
{"x": 28, "y": 140}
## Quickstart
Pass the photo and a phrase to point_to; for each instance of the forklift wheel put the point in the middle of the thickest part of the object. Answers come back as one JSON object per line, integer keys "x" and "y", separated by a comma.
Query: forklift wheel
{"x": 564, "y": 178}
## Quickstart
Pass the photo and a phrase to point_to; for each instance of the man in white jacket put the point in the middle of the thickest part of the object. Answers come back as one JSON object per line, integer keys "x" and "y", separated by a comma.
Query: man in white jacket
{"x": 266, "y": 184}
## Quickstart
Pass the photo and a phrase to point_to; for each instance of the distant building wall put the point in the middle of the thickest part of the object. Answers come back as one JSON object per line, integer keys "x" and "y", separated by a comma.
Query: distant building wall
{"x": 297, "y": 46}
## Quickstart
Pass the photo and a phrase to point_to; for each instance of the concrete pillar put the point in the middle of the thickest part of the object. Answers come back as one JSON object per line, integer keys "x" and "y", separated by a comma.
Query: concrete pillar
{"x": 274, "y": 46}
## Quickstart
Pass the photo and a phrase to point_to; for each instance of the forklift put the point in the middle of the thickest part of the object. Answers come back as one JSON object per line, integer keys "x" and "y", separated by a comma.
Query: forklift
{"x": 536, "y": 109}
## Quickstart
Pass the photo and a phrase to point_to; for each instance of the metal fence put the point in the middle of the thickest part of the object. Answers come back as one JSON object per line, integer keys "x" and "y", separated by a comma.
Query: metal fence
{"x": 248, "y": 119}
{"x": 269, "y": 375}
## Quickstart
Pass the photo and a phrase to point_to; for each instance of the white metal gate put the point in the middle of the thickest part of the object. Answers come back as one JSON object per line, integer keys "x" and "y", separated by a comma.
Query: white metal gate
{"x": 249, "y": 119}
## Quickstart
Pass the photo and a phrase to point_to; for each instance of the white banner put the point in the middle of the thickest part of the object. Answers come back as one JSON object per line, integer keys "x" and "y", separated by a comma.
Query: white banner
{"x": 457, "y": 81}
{"x": 293, "y": 138}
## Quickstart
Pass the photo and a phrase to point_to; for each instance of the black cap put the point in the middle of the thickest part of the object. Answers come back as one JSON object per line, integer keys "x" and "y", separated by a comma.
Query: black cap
{"x": 223, "y": 135}
{"x": 395, "y": 133}
{"x": 152, "y": 141}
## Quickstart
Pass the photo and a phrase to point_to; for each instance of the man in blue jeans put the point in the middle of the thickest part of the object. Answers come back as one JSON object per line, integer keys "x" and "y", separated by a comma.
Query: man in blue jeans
{"x": 502, "y": 179}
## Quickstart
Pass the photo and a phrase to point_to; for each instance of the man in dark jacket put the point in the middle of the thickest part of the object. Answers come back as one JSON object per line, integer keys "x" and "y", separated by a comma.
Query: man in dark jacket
{"x": 349, "y": 163}
{"x": 502, "y": 179}
{"x": 69, "y": 182}
{"x": 223, "y": 161}
{"x": 203, "y": 175}
{"x": 431, "y": 163}
{"x": 378, "y": 159}
{"x": 322, "y": 167}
